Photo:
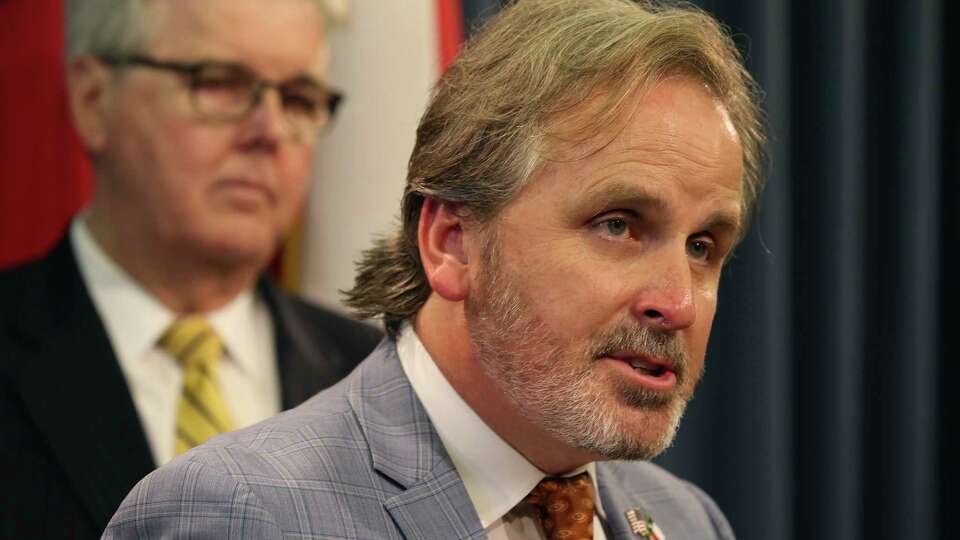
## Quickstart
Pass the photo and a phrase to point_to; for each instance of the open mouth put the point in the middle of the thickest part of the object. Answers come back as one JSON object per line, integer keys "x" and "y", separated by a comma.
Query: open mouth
{"x": 646, "y": 367}
{"x": 653, "y": 373}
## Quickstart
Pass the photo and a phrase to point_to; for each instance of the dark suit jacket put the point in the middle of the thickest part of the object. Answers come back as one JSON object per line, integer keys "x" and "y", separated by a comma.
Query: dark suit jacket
{"x": 71, "y": 443}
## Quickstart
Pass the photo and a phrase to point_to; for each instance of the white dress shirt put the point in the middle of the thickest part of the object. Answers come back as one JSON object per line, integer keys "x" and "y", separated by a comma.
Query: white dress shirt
{"x": 135, "y": 321}
{"x": 496, "y": 476}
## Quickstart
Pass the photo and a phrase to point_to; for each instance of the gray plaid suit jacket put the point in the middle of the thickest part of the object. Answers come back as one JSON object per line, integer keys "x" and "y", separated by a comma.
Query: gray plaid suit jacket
{"x": 361, "y": 460}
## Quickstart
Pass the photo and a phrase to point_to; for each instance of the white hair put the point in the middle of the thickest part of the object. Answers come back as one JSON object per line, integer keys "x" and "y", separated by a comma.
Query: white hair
{"x": 122, "y": 27}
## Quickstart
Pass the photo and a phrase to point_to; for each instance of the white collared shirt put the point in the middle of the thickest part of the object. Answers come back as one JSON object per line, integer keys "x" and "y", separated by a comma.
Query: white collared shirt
{"x": 135, "y": 321}
{"x": 496, "y": 476}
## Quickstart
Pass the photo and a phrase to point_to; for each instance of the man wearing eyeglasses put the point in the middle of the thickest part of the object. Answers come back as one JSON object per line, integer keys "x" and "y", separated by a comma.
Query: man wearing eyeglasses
{"x": 149, "y": 327}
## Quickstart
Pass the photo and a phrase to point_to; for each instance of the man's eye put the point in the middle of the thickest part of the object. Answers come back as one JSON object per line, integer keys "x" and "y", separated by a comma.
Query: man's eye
{"x": 700, "y": 249}
{"x": 615, "y": 227}
{"x": 207, "y": 82}
{"x": 301, "y": 103}
{"x": 230, "y": 84}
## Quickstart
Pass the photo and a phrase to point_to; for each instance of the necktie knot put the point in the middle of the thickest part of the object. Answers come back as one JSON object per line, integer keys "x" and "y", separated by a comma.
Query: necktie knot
{"x": 565, "y": 507}
{"x": 193, "y": 343}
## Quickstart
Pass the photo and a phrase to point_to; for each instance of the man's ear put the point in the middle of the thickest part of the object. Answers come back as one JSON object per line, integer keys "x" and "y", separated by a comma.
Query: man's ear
{"x": 89, "y": 92}
{"x": 440, "y": 238}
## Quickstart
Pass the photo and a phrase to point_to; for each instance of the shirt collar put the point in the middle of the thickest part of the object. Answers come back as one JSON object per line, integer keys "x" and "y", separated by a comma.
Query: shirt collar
{"x": 496, "y": 476}
{"x": 236, "y": 324}
{"x": 135, "y": 320}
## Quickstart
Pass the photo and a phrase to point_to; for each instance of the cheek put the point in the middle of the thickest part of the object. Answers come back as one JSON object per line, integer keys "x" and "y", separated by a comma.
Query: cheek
{"x": 168, "y": 140}
{"x": 295, "y": 168}
{"x": 294, "y": 174}
{"x": 699, "y": 333}
{"x": 189, "y": 160}
{"x": 575, "y": 294}
{"x": 182, "y": 159}
{"x": 198, "y": 151}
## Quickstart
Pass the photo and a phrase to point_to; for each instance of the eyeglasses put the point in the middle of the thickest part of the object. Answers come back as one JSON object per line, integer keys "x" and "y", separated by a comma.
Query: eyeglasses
{"x": 224, "y": 91}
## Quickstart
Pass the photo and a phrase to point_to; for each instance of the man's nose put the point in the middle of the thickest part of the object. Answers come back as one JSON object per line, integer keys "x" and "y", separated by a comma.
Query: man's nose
{"x": 265, "y": 125}
{"x": 665, "y": 301}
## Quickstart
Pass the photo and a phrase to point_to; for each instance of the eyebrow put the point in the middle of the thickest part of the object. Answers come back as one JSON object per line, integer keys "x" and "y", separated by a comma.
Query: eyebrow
{"x": 619, "y": 193}
{"x": 725, "y": 221}
{"x": 305, "y": 78}
{"x": 300, "y": 78}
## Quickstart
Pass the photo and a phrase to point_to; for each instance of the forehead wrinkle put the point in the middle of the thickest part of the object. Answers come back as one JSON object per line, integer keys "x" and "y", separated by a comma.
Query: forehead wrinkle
{"x": 662, "y": 157}
{"x": 627, "y": 163}
{"x": 671, "y": 152}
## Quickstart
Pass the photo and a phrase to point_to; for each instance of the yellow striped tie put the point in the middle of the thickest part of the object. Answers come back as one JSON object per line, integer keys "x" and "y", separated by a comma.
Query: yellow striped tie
{"x": 202, "y": 412}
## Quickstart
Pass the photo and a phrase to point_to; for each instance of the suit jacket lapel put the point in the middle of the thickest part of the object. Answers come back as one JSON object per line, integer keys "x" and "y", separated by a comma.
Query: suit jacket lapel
{"x": 616, "y": 502}
{"x": 306, "y": 358}
{"x": 436, "y": 508}
{"x": 76, "y": 394}
{"x": 432, "y": 503}
{"x": 628, "y": 515}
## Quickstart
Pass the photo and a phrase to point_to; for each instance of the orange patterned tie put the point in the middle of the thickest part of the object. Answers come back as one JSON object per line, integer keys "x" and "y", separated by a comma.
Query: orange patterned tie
{"x": 565, "y": 507}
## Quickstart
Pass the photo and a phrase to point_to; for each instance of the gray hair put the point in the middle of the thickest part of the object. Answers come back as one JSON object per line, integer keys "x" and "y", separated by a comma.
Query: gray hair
{"x": 485, "y": 130}
{"x": 122, "y": 27}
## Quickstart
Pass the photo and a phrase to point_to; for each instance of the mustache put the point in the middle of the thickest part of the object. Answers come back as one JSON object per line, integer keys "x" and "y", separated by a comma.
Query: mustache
{"x": 643, "y": 340}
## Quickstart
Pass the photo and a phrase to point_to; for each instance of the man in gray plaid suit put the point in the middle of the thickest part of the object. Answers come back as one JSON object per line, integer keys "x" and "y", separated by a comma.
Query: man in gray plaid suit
{"x": 583, "y": 172}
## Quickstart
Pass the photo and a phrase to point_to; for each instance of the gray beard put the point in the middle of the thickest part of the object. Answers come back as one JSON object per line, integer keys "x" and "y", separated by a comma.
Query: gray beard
{"x": 554, "y": 384}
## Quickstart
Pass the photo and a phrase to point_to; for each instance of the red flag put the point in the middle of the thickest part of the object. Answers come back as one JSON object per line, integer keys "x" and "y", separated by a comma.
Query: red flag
{"x": 44, "y": 175}
{"x": 450, "y": 30}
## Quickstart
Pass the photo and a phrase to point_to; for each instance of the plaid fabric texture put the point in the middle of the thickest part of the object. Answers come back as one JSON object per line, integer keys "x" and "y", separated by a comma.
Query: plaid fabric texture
{"x": 361, "y": 461}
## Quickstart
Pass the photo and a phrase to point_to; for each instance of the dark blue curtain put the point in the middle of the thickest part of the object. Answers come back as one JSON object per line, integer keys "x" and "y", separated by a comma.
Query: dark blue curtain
{"x": 824, "y": 409}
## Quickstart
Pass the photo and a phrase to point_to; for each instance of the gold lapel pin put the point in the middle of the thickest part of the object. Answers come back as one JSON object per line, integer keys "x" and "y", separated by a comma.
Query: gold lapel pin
{"x": 642, "y": 525}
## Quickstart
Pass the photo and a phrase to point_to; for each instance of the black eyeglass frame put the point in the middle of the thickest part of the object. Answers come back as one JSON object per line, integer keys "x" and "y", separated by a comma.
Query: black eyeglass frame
{"x": 192, "y": 69}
